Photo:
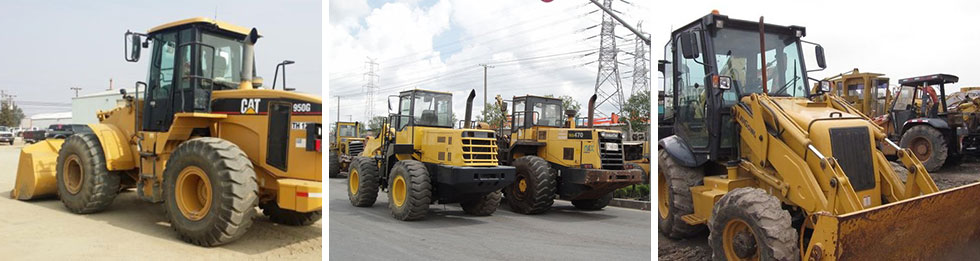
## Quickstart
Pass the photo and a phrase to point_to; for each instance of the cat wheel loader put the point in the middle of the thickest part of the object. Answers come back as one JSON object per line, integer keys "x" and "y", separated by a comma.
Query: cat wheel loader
{"x": 773, "y": 175}
{"x": 347, "y": 143}
{"x": 554, "y": 157}
{"x": 201, "y": 139}
{"x": 420, "y": 159}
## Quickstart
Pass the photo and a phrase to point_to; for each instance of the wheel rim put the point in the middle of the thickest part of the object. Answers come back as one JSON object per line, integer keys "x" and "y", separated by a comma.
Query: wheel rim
{"x": 193, "y": 193}
{"x": 518, "y": 190}
{"x": 354, "y": 181}
{"x": 398, "y": 191}
{"x": 922, "y": 148}
{"x": 73, "y": 174}
{"x": 739, "y": 242}
{"x": 522, "y": 185}
{"x": 663, "y": 193}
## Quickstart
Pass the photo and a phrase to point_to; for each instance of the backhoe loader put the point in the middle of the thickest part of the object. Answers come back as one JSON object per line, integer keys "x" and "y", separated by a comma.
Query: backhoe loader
{"x": 420, "y": 159}
{"x": 555, "y": 157}
{"x": 201, "y": 139}
{"x": 346, "y": 144}
{"x": 774, "y": 175}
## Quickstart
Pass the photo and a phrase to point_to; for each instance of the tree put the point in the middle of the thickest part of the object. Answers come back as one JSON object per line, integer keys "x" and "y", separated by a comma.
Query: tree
{"x": 375, "y": 123}
{"x": 492, "y": 115}
{"x": 10, "y": 114}
{"x": 637, "y": 110}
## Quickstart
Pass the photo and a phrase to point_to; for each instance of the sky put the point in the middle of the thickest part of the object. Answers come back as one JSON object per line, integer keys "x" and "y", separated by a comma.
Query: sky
{"x": 900, "y": 39}
{"x": 51, "y": 46}
{"x": 534, "y": 47}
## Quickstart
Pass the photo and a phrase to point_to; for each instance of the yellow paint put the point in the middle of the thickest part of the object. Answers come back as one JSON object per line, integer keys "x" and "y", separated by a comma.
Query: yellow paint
{"x": 221, "y": 25}
{"x": 398, "y": 191}
{"x": 36, "y": 170}
{"x": 287, "y": 198}
{"x": 354, "y": 181}
{"x": 193, "y": 193}
{"x": 455, "y": 149}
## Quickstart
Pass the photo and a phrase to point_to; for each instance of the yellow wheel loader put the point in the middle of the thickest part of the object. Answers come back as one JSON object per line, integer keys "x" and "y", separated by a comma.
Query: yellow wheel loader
{"x": 346, "y": 144}
{"x": 773, "y": 175}
{"x": 200, "y": 138}
{"x": 555, "y": 157}
{"x": 420, "y": 159}
{"x": 867, "y": 92}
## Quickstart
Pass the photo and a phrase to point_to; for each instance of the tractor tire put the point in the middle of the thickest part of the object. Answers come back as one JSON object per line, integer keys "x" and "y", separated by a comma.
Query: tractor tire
{"x": 593, "y": 204}
{"x": 85, "y": 185}
{"x": 483, "y": 206}
{"x": 363, "y": 181}
{"x": 409, "y": 190}
{"x": 333, "y": 164}
{"x": 533, "y": 192}
{"x": 210, "y": 191}
{"x": 928, "y": 144}
{"x": 675, "y": 199}
{"x": 289, "y": 217}
{"x": 749, "y": 223}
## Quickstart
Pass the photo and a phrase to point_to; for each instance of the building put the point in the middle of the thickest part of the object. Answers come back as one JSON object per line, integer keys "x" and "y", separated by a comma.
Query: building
{"x": 43, "y": 120}
{"x": 85, "y": 107}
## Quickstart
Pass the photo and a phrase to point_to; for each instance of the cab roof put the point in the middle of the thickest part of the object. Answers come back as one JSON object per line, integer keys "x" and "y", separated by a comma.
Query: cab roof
{"x": 203, "y": 20}
{"x": 933, "y": 79}
{"x": 421, "y": 90}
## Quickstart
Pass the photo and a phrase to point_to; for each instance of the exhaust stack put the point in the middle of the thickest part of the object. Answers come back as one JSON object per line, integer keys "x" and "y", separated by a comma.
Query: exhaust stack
{"x": 592, "y": 110}
{"x": 248, "y": 60}
{"x": 469, "y": 109}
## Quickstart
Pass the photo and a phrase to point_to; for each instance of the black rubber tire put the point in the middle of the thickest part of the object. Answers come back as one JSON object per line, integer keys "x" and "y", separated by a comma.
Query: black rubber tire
{"x": 233, "y": 185}
{"x": 483, "y": 206}
{"x": 775, "y": 237}
{"x": 936, "y": 139}
{"x": 289, "y": 217}
{"x": 334, "y": 164}
{"x": 99, "y": 186}
{"x": 593, "y": 204}
{"x": 679, "y": 180}
{"x": 541, "y": 186}
{"x": 368, "y": 182}
{"x": 418, "y": 190}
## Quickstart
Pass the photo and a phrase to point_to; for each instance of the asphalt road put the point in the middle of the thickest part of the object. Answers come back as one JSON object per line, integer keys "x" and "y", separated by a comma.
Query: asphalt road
{"x": 564, "y": 233}
{"x": 130, "y": 229}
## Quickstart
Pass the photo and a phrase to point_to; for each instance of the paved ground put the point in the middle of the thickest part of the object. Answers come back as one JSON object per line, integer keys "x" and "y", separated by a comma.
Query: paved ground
{"x": 44, "y": 229}
{"x": 447, "y": 233}
{"x": 696, "y": 248}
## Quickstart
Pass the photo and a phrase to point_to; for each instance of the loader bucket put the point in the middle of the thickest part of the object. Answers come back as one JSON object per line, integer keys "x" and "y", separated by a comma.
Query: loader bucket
{"x": 939, "y": 226}
{"x": 36, "y": 170}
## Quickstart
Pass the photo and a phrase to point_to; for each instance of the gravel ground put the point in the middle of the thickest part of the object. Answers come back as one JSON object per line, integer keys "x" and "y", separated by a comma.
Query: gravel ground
{"x": 696, "y": 248}
{"x": 44, "y": 230}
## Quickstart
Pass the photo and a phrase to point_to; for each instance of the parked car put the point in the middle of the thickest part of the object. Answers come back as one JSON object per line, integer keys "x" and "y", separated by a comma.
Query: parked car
{"x": 62, "y": 131}
{"x": 6, "y": 135}
{"x": 33, "y": 136}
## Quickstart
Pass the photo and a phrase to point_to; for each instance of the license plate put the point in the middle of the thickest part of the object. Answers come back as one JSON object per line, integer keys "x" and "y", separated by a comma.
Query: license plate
{"x": 612, "y": 146}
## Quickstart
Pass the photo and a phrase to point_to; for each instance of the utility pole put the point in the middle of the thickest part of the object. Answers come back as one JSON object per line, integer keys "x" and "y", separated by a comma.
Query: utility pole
{"x": 338, "y": 109}
{"x": 485, "y": 66}
{"x": 76, "y": 90}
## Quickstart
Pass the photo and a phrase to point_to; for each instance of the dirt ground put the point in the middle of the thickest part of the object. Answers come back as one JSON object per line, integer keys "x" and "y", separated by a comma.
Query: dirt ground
{"x": 696, "y": 248}
{"x": 43, "y": 230}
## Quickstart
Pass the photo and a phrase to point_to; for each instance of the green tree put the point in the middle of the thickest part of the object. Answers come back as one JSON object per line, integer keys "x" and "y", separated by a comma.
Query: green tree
{"x": 569, "y": 103}
{"x": 492, "y": 115}
{"x": 10, "y": 114}
{"x": 637, "y": 110}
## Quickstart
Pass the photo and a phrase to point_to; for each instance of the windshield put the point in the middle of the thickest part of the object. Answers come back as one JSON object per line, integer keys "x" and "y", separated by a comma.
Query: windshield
{"x": 347, "y": 131}
{"x": 547, "y": 114}
{"x": 737, "y": 54}
{"x": 430, "y": 109}
{"x": 227, "y": 56}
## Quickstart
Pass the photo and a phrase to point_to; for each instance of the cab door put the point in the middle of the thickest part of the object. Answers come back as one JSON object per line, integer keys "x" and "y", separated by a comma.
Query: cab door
{"x": 158, "y": 103}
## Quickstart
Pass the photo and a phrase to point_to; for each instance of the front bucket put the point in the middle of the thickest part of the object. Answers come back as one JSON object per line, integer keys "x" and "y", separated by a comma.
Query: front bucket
{"x": 36, "y": 170}
{"x": 940, "y": 226}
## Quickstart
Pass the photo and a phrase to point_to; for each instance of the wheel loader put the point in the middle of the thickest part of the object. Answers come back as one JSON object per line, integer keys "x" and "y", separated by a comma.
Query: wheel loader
{"x": 201, "y": 138}
{"x": 420, "y": 159}
{"x": 554, "y": 157}
{"x": 867, "y": 92}
{"x": 347, "y": 143}
{"x": 773, "y": 175}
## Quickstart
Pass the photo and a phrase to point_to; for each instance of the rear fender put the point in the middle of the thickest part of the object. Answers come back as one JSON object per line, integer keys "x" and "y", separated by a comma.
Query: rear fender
{"x": 678, "y": 149}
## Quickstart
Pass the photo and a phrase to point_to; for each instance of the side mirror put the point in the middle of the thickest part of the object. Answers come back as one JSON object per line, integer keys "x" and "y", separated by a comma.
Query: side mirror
{"x": 662, "y": 66}
{"x": 821, "y": 60}
{"x": 132, "y": 46}
{"x": 689, "y": 45}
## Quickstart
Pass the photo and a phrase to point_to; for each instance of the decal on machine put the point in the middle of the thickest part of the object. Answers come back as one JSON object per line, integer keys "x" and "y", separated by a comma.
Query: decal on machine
{"x": 260, "y": 106}
{"x": 250, "y": 106}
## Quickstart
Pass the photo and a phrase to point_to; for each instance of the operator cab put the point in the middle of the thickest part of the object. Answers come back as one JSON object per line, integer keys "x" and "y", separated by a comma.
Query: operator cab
{"x": 532, "y": 111}
{"x": 347, "y": 130}
{"x": 424, "y": 108}
{"x": 190, "y": 59}
{"x": 706, "y": 58}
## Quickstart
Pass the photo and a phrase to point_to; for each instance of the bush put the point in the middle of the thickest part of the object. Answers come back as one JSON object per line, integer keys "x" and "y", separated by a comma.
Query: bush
{"x": 638, "y": 192}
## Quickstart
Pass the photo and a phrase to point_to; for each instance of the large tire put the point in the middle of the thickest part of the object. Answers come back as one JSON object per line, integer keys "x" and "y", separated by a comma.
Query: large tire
{"x": 289, "y": 217}
{"x": 409, "y": 190}
{"x": 753, "y": 224}
{"x": 675, "y": 199}
{"x": 534, "y": 175}
{"x": 334, "y": 164}
{"x": 84, "y": 184}
{"x": 362, "y": 182}
{"x": 928, "y": 144}
{"x": 483, "y": 206}
{"x": 593, "y": 204}
{"x": 222, "y": 206}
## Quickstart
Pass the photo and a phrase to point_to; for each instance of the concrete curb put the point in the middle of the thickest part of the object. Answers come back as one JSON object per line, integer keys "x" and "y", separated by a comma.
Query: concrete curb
{"x": 629, "y": 203}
